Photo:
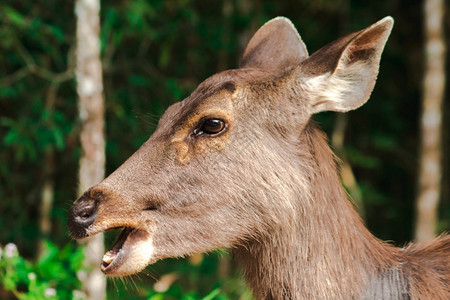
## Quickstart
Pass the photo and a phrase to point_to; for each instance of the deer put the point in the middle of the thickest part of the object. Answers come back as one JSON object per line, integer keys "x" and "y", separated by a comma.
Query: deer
{"x": 241, "y": 164}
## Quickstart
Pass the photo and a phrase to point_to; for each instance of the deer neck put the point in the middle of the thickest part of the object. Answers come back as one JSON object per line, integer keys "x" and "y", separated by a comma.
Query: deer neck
{"x": 326, "y": 253}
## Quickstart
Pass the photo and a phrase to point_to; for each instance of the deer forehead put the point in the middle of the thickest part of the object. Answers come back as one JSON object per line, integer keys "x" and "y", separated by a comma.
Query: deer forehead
{"x": 218, "y": 96}
{"x": 234, "y": 96}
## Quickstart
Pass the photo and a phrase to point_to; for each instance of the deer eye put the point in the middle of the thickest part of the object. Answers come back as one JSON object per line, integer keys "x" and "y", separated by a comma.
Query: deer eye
{"x": 210, "y": 127}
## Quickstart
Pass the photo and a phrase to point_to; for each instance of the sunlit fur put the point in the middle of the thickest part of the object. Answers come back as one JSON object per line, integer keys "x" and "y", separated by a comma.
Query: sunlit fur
{"x": 268, "y": 186}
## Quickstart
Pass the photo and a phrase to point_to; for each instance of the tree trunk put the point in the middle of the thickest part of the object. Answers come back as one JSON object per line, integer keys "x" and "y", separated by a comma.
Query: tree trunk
{"x": 91, "y": 111}
{"x": 47, "y": 192}
{"x": 46, "y": 205}
{"x": 429, "y": 187}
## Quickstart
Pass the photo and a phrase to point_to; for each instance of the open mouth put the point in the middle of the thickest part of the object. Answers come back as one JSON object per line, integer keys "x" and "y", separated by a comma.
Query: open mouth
{"x": 113, "y": 257}
{"x": 130, "y": 253}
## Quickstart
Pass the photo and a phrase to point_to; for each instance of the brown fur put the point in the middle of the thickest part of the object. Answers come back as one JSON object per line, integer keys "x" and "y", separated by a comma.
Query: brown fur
{"x": 267, "y": 186}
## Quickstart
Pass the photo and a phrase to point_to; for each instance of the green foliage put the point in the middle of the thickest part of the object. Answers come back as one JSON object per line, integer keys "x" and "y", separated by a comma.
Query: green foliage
{"x": 174, "y": 279}
{"x": 215, "y": 294}
{"x": 52, "y": 276}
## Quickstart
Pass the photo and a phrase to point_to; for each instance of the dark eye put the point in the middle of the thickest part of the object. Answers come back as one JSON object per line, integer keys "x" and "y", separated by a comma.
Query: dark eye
{"x": 210, "y": 127}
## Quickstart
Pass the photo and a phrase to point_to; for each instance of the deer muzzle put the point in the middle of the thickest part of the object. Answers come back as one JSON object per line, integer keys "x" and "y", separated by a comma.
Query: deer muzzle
{"x": 133, "y": 249}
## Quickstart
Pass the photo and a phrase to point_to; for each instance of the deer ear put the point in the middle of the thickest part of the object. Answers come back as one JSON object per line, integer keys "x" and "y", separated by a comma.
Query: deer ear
{"x": 275, "y": 46}
{"x": 341, "y": 75}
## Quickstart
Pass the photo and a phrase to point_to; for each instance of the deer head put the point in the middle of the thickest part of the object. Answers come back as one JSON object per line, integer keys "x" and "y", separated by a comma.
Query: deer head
{"x": 230, "y": 163}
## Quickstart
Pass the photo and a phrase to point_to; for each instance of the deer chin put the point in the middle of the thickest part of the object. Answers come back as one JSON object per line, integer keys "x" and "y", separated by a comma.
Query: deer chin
{"x": 131, "y": 253}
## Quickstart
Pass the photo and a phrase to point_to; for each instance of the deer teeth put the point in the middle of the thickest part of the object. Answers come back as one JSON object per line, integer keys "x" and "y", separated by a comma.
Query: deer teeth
{"x": 108, "y": 257}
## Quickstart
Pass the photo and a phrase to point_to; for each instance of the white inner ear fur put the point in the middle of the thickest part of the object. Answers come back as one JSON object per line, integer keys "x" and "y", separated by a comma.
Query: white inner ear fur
{"x": 347, "y": 88}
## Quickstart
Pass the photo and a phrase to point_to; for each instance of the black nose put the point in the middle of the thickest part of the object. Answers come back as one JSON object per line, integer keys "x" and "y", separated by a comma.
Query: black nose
{"x": 82, "y": 214}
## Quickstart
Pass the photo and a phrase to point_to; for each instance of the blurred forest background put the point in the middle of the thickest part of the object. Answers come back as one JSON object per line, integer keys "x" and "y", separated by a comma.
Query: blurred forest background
{"x": 154, "y": 53}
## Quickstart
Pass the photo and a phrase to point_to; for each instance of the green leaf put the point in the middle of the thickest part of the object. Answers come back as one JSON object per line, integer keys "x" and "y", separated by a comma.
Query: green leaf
{"x": 139, "y": 80}
{"x": 14, "y": 16}
{"x": 156, "y": 297}
{"x": 58, "y": 137}
{"x": 361, "y": 159}
{"x": 50, "y": 251}
{"x": 77, "y": 258}
{"x": 9, "y": 283}
{"x": 11, "y": 137}
{"x": 212, "y": 295}
{"x": 57, "y": 32}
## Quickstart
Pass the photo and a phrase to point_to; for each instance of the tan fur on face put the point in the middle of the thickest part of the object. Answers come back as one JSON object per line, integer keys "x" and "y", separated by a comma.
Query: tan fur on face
{"x": 218, "y": 106}
{"x": 268, "y": 186}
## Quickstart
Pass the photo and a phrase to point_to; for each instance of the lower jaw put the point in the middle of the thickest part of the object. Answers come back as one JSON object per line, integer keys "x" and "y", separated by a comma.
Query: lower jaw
{"x": 111, "y": 260}
{"x": 131, "y": 253}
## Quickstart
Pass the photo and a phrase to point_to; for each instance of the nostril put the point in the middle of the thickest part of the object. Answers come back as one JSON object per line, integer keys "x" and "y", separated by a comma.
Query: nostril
{"x": 84, "y": 211}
